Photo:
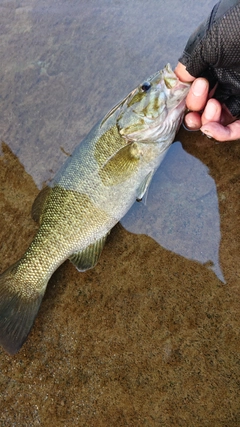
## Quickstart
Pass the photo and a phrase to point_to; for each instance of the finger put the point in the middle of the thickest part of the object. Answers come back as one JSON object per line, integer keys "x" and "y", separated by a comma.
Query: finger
{"x": 222, "y": 133}
{"x": 183, "y": 74}
{"x": 212, "y": 112}
{"x": 198, "y": 94}
{"x": 226, "y": 116}
{"x": 193, "y": 121}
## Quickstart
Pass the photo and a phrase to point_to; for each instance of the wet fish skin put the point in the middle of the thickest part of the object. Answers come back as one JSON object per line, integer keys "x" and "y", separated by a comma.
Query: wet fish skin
{"x": 97, "y": 185}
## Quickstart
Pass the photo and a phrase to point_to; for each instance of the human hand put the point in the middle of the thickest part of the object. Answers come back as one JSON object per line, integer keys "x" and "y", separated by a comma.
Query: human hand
{"x": 211, "y": 61}
{"x": 207, "y": 114}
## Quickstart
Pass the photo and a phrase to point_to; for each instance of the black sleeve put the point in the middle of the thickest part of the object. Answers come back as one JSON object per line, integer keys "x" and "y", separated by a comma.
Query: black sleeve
{"x": 213, "y": 51}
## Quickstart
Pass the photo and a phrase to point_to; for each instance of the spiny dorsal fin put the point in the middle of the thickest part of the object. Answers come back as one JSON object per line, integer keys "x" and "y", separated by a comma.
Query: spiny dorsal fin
{"x": 88, "y": 258}
{"x": 39, "y": 203}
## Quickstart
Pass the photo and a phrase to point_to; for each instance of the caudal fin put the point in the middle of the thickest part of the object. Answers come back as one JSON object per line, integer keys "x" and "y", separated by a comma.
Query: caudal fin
{"x": 19, "y": 305}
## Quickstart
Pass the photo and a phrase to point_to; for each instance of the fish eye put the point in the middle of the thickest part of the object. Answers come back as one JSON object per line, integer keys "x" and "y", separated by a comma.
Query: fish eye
{"x": 146, "y": 86}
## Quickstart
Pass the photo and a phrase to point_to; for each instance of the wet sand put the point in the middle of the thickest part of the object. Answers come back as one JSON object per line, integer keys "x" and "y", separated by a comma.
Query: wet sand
{"x": 148, "y": 337}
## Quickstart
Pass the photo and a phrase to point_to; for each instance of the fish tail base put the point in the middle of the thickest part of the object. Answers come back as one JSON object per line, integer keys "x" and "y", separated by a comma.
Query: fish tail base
{"x": 17, "y": 310}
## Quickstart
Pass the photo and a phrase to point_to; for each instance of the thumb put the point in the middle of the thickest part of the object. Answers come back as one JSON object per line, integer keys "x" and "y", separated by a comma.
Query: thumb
{"x": 222, "y": 133}
{"x": 183, "y": 74}
{"x": 198, "y": 94}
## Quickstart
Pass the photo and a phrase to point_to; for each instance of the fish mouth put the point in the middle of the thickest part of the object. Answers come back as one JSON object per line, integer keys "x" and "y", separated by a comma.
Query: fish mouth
{"x": 179, "y": 105}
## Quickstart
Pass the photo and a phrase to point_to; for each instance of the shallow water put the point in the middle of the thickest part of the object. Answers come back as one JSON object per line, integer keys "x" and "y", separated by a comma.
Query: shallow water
{"x": 150, "y": 337}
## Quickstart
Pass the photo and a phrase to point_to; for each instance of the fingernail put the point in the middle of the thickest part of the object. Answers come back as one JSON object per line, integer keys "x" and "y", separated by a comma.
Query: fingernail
{"x": 199, "y": 86}
{"x": 210, "y": 111}
{"x": 206, "y": 133}
{"x": 191, "y": 124}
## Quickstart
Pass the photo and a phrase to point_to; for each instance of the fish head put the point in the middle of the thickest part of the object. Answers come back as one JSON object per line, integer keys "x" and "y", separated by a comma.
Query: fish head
{"x": 155, "y": 109}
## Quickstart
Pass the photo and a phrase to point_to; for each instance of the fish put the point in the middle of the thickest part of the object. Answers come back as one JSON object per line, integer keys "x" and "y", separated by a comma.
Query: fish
{"x": 107, "y": 172}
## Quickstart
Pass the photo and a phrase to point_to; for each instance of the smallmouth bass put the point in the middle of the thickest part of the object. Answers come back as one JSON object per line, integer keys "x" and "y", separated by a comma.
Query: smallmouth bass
{"x": 93, "y": 190}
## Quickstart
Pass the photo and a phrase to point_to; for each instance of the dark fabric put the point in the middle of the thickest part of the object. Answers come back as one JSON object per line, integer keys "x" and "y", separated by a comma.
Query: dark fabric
{"x": 213, "y": 51}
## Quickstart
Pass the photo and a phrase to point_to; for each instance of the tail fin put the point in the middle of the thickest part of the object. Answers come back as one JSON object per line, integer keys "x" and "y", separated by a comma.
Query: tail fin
{"x": 19, "y": 304}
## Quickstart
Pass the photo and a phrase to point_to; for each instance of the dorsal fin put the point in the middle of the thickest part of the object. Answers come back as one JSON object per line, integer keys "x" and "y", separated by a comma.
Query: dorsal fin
{"x": 39, "y": 203}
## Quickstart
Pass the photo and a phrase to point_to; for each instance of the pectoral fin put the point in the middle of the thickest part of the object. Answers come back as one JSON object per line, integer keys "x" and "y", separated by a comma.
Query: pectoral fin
{"x": 144, "y": 186}
{"x": 88, "y": 258}
{"x": 121, "y": 166}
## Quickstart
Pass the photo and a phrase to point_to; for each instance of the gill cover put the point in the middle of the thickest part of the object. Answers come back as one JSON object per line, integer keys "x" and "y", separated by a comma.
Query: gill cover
{"x": 148, "y": 105}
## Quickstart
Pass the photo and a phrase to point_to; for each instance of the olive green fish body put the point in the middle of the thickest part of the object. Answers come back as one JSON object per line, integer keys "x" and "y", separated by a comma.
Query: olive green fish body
{"x": 99, "y": 182}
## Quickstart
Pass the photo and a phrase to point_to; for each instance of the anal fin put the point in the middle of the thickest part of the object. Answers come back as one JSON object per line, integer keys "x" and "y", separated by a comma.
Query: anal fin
{"x": 88, "y": 258}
